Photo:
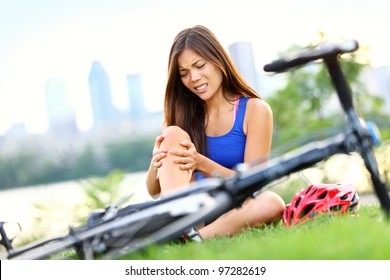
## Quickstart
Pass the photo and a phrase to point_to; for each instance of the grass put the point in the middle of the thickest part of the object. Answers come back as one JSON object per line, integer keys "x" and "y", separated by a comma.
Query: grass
{"x": 365, "y": 236}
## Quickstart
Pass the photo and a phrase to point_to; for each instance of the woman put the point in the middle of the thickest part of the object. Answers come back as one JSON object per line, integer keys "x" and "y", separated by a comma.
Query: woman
{"x": 213, "y": 121}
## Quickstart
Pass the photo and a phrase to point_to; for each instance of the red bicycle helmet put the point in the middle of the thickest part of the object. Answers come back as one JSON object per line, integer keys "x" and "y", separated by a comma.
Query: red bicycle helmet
{"x": 318, "y": 199}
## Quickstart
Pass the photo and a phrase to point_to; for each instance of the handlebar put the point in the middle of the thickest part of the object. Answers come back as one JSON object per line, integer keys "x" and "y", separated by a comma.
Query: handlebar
{"x": 321, "y": 52}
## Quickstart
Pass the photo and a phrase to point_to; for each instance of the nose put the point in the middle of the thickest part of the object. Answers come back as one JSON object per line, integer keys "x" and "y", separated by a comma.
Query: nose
{"x": 195, "y": 76}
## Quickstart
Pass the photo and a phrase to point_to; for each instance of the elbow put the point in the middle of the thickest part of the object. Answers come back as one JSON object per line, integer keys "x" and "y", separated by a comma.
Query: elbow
{"x": 154, "y": 191}
{"x": 154, "y": 194}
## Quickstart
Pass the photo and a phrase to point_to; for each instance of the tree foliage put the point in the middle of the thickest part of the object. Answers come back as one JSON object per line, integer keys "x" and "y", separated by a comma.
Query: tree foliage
{"x": 31, "y": 167}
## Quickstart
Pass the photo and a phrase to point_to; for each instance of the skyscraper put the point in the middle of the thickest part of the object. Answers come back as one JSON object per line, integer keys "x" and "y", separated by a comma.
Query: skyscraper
{"x": 136, "y": 96}
{"x": 242, "y": 55}
{"x": 62, "y": 118}
{"x": 103, "y": 110}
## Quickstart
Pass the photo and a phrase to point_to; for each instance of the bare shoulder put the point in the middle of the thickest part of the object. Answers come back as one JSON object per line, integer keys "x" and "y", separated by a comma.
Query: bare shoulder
{"x": 258, "y": 107}
{"x": 258, "y": 115}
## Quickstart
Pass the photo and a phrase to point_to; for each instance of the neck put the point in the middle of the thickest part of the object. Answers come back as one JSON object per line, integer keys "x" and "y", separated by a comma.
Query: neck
{"x": 219, "y": 105}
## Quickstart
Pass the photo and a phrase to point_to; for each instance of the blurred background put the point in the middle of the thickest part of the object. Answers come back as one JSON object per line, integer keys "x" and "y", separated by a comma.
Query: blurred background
{"x": 82, "y": 82}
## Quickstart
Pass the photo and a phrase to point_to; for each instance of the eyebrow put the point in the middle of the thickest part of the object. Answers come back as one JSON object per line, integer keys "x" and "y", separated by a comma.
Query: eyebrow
{"x": 192, "y": 64}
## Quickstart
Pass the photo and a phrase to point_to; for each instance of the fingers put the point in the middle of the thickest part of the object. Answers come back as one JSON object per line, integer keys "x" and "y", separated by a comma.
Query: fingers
{"x": 187, "y": 166}
{"x": 157, "y": 145}
{"x": 158, "y": 153}
{"x": 157, "y": 142}
{"x": 185, "y": 158}
{"x": 187, "y": 144}
{"x": 156, "y": 160}
{"x": 185, "y": 161}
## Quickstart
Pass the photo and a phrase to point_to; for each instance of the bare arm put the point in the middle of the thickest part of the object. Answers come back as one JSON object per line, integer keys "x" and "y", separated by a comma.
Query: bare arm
{"x": 152, "y": 182}
{"x": 210, "y": 168}
{"x": 258, "y": 126}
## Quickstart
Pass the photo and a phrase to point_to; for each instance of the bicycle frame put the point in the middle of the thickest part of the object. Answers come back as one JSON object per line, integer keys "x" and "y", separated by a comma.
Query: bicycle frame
{"x": 234, "y": 190}
{"x": 330, "y": 53}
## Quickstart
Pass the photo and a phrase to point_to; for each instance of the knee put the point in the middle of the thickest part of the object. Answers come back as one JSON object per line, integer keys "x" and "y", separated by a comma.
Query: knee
{"x": 173, "y": 135}
{"x": 275, "y": 203}
{"x": 175, "y": 132}
{"x": 272, "y": 205}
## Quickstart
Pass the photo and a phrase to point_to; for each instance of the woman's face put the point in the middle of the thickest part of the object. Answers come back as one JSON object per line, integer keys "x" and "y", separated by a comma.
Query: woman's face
{"x": 199, "y": 75}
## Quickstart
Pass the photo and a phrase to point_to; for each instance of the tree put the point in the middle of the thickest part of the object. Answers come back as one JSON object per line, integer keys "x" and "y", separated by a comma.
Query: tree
{"x": 130, "y": 155}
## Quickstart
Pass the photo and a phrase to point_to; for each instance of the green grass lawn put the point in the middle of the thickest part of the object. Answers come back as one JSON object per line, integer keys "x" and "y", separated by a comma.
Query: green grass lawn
{"x": 365, "y": 236}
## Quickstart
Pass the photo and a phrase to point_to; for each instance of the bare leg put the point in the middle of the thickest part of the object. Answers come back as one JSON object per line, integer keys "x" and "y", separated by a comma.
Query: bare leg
{"x": 265, "y": 209}
{"x": 170, "y": 176}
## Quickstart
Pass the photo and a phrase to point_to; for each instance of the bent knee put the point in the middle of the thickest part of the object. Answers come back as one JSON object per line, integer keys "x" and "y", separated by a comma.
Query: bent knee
{"x": 271, "y": 204}
{"x": 175, "y": 132}
{"x": 173, "y": 135}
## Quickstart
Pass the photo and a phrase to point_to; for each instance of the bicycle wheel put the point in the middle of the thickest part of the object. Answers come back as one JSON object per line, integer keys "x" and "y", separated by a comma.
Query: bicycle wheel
{"x": 160, "y": 224}
{"x": 380, "y": 187}
{"x": 54, "y": 248}
{"x": 367, "y": 137}
{"x": 126, "y": 234}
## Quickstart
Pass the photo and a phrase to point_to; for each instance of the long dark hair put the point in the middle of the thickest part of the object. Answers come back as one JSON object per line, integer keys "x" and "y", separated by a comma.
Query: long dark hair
{"x": 185, "y": 109}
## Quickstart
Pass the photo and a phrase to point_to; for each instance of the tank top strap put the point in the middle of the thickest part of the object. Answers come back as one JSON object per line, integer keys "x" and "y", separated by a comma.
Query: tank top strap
{"x": 240, "y": 114}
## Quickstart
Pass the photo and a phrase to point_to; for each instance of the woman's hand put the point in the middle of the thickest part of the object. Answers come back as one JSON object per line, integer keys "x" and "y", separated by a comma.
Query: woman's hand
{"x": 188, "y": 159}
{"x": 158, "y": 153}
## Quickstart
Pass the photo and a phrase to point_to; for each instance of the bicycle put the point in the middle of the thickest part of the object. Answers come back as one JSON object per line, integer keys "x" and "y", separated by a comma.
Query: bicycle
{"x": 117, "y": 231}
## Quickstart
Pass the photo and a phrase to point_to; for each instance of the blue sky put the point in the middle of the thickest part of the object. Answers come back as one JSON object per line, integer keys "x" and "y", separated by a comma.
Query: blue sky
{"x": 40, "y": 39}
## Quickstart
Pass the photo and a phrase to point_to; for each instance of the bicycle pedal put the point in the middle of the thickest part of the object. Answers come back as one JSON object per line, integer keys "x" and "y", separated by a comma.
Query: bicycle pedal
{"x": 191, "y": 234}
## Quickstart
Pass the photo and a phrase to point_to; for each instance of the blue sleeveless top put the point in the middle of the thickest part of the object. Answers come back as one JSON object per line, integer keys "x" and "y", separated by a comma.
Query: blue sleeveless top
{"x": 228, "y": 149}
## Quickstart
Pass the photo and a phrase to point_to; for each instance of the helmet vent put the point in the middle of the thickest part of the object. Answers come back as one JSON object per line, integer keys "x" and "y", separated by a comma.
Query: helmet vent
{"x": 313, "y": 191}
{"x": 297, "y": 202}
{"x": 306, "y": 210}
{"x": 355, "y": 198}
{"x": 335, "y": 208}
{"x": 344, "y": 197}
{"x": 354, "y": 205}
{"x": 323, "y": 195}
{"x": 285, "y": 212}
{"x": 291, "y": 215}
{"x": 308, "y": 189}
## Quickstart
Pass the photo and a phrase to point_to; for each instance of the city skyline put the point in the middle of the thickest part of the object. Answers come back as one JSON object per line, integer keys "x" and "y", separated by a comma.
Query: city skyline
{"x": 61, "y": 117}
{"x": 61, "y": 114}
{"x": 42, "y": 39}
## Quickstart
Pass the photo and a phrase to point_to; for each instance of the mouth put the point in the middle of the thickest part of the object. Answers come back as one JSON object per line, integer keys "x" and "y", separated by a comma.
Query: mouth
{"x": 201, "y": 88}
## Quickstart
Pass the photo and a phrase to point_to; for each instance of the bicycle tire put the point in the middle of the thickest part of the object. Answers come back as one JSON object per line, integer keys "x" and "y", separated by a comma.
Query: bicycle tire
{"x": 379, "y": 185}
{"x": 168, "y": 225}
{"x": 129, "y": 233}
{"x": 47, "y": 249}
{"x": 366, "y": 139}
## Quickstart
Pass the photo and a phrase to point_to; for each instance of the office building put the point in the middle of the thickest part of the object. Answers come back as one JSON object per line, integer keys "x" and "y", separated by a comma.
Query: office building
{"x": 103, "y": 111}
{"x": 136, "y": 96}
{"x": 61, "y": 114}
{"x": 242, "y": 55}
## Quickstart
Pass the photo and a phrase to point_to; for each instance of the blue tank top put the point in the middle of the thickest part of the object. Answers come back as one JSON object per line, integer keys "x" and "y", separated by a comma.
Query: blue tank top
{"x": 228, "y": 149}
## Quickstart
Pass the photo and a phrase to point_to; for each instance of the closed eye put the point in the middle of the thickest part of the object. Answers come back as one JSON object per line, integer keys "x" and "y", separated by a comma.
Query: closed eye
{"x": 183, "y": 73}
{"x": 200, "y": 64}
